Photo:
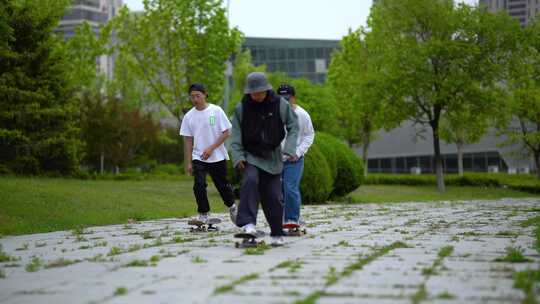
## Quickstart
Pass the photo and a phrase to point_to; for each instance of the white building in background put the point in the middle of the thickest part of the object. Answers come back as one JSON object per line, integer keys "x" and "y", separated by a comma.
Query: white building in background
{"x": 96, "y": 13}
{"x": 409, "y": 149}
{"x": 523, "y": 10}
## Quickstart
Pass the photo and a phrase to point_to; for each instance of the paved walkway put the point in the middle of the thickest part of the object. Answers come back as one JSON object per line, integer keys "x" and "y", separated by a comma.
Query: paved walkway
{"x": 385, "y": 253}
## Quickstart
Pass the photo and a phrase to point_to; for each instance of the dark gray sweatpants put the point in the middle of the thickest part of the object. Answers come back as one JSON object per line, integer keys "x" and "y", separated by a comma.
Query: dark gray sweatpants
{"x": 260, "y": 185}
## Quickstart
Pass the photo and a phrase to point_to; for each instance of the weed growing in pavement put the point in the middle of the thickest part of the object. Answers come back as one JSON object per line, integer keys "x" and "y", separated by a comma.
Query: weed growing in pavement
{"x": 4, "y": 257}
{"x": 61, "y": 263}
{"x": 34, "y": 265}
{"x": 513, "y": 255}
{"x": 420, "y": 295}
{"x": 115, "y": 251}
{"x": 137, "y": 263}
{"x": 528, "y": 281}
{"x": 198, "y": 259}
{"x": 259, "y": 250}
{"x": 134, "y": 247}
{"x": 230, "y": 287}
{"x": 333, "y": 276}
{"x": 446, "y": 295}
{"x": 120, "y": 291}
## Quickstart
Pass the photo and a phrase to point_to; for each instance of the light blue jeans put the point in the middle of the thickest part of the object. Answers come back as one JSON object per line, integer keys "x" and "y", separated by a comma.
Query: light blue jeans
{"x": 292, "y": 175}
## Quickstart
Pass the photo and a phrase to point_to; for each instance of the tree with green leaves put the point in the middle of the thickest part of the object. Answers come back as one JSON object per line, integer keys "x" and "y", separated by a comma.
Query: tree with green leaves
{"x": 39, "y": 118}
{"x": 464, "y": 127}
{"x": 436, "y": 58}
{"x": 353, "y": 85}
{"x": 81, "y": 52}
{"x": 315, "y": 98}
{"x": 523, "y": 122}
{"x": 174, "y": 43}
{"x": 242, "y": 66}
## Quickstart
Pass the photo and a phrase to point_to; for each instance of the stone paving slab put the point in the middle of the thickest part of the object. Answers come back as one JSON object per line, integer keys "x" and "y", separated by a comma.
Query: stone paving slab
{"x": 370, "y": 253}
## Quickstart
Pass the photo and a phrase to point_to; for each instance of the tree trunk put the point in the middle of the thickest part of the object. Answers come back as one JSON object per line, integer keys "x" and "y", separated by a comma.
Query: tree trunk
{"x": 537, "y": 163}
{"x": 365, "y": 155}
{"x": 365, "y": 148}
{"x": 438, "y": 159}
{"x": 101, "y": 163}
{"x": 459, "y": 145}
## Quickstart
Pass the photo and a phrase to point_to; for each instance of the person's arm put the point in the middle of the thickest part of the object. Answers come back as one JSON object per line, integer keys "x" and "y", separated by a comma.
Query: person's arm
{"x": 291, "y": 125}
{"x": 188, "y": 150}
{"x": 237, "y": 149}
{"x": 307, "y": 135}
{"x": 221, "y": 139}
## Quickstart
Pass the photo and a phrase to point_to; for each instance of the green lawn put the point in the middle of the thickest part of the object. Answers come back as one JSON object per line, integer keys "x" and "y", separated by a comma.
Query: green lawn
{"x": 31, "y": 205}
{"x": 400, "y": 193}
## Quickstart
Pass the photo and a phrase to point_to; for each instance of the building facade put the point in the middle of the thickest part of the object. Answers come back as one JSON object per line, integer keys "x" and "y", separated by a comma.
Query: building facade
{"x": 522, "y": 10}
{"x": 306, "y": 58}
{"x": 409, "y": 149}
{"x": 95, "y": 13}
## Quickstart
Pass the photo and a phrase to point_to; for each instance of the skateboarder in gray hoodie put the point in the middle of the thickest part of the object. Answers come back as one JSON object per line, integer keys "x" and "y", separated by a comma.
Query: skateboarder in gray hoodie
{"x": 258, "y": 127}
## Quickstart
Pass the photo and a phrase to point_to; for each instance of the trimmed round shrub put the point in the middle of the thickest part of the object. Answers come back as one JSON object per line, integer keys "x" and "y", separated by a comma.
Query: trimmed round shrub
{"x": 316, "y": 184}
{"x": 324, "y": 142}
{"x": 348, "y": 168}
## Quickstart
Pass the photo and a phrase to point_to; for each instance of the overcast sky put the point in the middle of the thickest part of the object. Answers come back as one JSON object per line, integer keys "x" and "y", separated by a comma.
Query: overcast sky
{"x": 311, "y": 19}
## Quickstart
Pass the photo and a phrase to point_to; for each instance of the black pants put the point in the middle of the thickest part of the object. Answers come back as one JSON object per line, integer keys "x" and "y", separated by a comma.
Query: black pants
{"x": 218, "y": 172}
{"x": 260, "y": 185}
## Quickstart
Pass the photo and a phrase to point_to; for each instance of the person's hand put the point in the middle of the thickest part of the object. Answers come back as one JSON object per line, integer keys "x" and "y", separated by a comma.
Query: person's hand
{"x": 293, "y": 158}
{"x": 189, "y": 169}
{"x": 206, "y": 153}
{"x": 241, "y": 165}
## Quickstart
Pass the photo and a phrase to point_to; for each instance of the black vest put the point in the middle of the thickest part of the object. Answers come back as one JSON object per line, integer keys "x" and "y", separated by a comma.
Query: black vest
{"x": 262, "y": 127}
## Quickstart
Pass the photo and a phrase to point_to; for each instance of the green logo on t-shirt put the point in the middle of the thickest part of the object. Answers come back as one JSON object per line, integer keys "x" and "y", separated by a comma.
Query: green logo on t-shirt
{"x": 212, "y": 120}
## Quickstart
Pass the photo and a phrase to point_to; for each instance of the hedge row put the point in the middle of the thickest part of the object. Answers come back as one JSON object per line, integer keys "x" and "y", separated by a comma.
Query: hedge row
{"x": 526, "y": 183}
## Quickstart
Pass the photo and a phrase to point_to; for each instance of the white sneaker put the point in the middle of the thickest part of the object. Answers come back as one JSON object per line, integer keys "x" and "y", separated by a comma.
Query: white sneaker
{"x": 249, "y": 228}
{"x": 203, "y": 217}
{"x": 233, "y": 211}
{"x": 277, "y": 241}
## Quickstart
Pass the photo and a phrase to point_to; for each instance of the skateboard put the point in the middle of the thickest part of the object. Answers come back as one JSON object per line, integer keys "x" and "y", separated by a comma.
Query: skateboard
{"x": 200, "y": 226}
{"x": 249, "y": 240}
{"x": 294, "y": 230}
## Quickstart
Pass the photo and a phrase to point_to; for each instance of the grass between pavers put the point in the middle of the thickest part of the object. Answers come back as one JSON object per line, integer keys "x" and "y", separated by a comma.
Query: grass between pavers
{"x": 230, "y": 287}
{"x": 399, "y": 193}
{"x": 529, "y": 280}
{"x": 32, "y": 205}
{"x": 333, "y": 276}
{"x": 422, "y": 294}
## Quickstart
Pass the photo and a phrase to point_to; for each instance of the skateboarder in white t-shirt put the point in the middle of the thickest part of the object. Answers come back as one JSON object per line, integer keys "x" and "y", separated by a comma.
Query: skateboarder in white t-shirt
{"x": 205, "y": 128}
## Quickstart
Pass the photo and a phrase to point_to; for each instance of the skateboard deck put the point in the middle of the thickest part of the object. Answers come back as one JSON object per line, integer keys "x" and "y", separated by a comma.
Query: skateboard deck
{"x": 294, "y": 230}
{"x": 249, "y": 240}
{"x": 200, "y": 226}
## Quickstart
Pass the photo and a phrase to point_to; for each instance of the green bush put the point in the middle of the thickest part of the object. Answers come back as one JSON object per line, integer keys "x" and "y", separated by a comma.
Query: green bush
{"x": 324, "y": 142}
{"x": 348, "y": 165}
{"x": 168, "y": 169}
{"x": 316, "y": 184}
{"x": 168, "y": 148}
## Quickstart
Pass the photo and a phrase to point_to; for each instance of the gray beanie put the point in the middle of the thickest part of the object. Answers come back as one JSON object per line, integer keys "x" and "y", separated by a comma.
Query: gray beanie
{"x": 256, "y": 82}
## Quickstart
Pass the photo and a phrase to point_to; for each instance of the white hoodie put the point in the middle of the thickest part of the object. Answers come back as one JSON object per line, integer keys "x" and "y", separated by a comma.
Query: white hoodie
{"x": 306, "y": 133}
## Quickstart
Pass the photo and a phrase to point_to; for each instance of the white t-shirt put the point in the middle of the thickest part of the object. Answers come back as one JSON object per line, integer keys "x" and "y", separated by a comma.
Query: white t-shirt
{"x": 206, "y": 127}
